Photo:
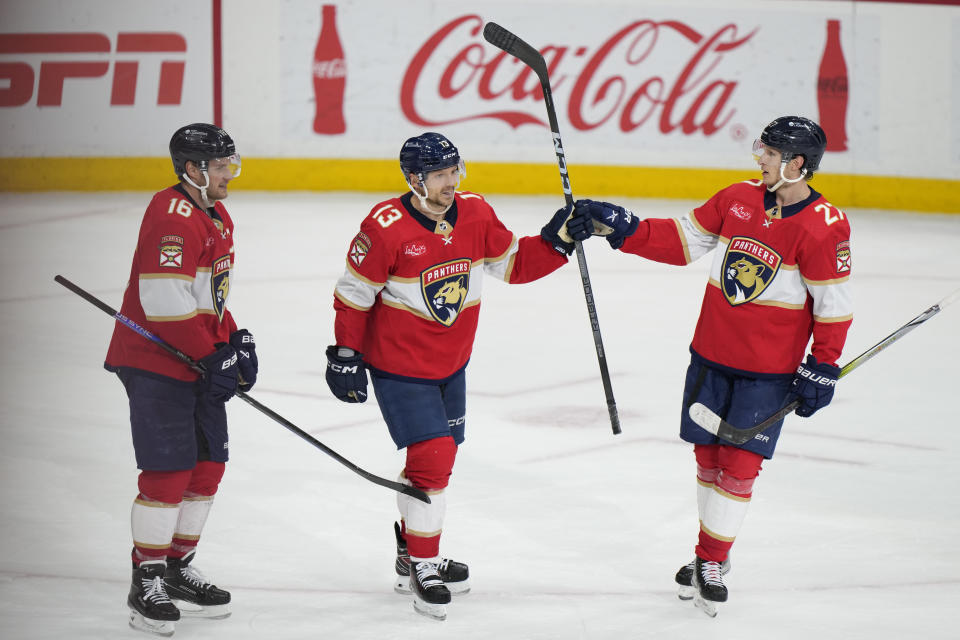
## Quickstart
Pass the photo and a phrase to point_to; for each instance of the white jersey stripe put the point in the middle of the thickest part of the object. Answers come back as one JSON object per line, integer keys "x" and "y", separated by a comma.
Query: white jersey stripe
{"x": 168, "y": 298}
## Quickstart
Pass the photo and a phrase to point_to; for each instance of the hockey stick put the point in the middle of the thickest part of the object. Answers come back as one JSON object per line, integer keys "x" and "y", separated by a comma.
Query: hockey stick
{"x": 713, "y": 423}
{"x": 130, "y": 324}
{"x": 507, "y": 41}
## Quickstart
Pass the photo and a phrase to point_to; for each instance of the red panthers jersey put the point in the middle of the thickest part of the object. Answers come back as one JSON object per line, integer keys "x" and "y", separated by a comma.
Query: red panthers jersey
{"x": 409, "y": 299}
{"x": 777, "y": 277}
{"x": 178, "y": 286}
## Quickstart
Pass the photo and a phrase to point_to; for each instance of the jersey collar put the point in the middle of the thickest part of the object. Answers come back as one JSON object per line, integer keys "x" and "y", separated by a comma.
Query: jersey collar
{"x": 770, "y": 203}
{"x": 428, "y": 224}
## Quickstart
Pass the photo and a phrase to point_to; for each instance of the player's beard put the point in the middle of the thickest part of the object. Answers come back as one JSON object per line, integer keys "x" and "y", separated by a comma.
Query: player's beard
{"x": 437, "y": 202}
{"x": 220, "y": 193}
{"x": 440, "y": 201}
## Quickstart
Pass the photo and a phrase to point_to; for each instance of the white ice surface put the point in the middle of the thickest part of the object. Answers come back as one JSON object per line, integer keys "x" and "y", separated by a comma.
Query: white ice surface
{"x": 570, "y": 532}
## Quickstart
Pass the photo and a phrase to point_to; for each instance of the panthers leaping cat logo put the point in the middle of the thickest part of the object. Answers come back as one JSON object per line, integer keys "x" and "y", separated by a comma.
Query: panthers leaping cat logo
{"x": 223, "y": 290}
{"x": 747, "y": 276}
{"x": 449, "y": 298}
{"x": 220, "y": 284}
{"x": 445, "y": 287}
{"x": 748, "y": 268}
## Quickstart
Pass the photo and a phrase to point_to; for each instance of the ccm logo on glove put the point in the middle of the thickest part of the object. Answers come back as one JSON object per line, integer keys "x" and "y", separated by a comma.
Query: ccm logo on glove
{"x": 343, "y": 368}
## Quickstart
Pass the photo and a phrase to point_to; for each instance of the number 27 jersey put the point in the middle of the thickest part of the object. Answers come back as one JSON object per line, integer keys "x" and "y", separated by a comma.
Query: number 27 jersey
{"x": 777, "y": 277}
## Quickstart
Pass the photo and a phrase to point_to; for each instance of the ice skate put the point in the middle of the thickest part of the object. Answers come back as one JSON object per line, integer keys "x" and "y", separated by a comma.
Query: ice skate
{"x": 455, "y": 575}
{"x": 430, "y": 595}
{"x": 708, "y": 579}
{"x": 150, "y": 607}
{"x": 684, "y": 578}
{"x": 193, "y": 593}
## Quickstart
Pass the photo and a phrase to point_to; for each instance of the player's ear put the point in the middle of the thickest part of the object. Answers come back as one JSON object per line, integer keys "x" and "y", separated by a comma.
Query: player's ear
{"x": 193, "y": 171}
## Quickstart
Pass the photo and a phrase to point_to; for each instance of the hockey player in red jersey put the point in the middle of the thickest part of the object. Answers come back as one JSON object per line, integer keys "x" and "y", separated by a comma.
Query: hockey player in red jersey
{"x": 178, "y": 289}
{"x": 780, "y": 275}
{"x": 407, "y": 307}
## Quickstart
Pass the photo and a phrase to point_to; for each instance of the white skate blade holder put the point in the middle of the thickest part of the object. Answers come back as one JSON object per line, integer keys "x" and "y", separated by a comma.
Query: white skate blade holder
{"x": 707, "y": 606}
{"x": 211, "y": 612}
{"x": 433, "y": 611}
{"x": 163, "y": 628}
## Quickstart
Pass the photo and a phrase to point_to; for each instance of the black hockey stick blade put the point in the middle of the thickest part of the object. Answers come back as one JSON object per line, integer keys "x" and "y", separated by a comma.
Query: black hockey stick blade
{"x": 276, "y": 417}
{"x": 511, "y": 44}
{"x": 709, "y": 420}
{"x": 504, "y": 39}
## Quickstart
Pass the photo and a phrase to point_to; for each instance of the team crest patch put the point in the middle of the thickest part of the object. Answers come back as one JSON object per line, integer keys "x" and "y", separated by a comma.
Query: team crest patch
{"x": 843, "y": 256}
{"x": 220, "y": 284}
{"x": 171, "y": 252}
{"x": 360, "y": 248}
{"x": 445, "y": 289}
{"x": 748, "y": 267}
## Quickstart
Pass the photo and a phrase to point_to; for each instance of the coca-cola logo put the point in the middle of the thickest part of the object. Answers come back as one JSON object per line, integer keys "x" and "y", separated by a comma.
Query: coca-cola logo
{"x": 836, "y": 85}
{"x": 335, "y": 68}
{"x": 615, "y": 82}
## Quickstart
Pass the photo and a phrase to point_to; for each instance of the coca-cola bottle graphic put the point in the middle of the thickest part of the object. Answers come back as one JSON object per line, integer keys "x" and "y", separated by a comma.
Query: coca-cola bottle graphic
{"x": 832, "y": 90}
{"x": 329, "y": 76}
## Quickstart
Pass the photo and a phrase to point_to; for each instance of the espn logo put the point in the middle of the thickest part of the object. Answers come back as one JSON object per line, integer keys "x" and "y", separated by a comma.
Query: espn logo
{"x": 44, "y": 61}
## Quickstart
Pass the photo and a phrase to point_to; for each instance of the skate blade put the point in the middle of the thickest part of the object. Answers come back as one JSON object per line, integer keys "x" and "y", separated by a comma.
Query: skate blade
{"x": 163, "y": 628}
{"x": 686, "y": 592}
{"x": 402, "y": 585}
{"x": 211, "y": 612}
{"x": 433, "y": 611}
{"x": 707, "y": 606}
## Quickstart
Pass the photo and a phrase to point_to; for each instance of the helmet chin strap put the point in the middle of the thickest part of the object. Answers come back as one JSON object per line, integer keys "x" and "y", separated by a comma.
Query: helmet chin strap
{"x": 203, "y": 190}
{"x": 784, "y": 180}
{"x": 423, "y": 198}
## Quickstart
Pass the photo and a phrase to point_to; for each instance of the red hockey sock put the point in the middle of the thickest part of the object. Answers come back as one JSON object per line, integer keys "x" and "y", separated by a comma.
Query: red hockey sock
{"x": 429, "y": 465}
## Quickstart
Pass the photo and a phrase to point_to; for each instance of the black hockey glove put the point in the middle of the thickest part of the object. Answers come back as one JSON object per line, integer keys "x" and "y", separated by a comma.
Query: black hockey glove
{"x": 219, "y": 378}
{"x": 813, "y": 386}
{"x": 610, "y": 220}
{"x": 247, "y": 362}
{"x": 564, "y": 228}
{"x": 346, "y": 374}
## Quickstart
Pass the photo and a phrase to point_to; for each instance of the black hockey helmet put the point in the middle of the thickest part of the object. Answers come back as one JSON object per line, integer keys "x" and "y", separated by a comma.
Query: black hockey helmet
{"x": 199, "y": 143}
{"x": 428, "y": 152}
{"x": 796, "y": 136}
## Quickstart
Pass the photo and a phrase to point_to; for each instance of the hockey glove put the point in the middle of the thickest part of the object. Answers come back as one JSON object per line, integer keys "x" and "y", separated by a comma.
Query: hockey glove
{"x": 247, "y": 363}
{"x": 346, "y": 374}
{"x": 219, "y": 378}
{"x": 610, "y": 220}
{"x": 565, "y": 228}
{"x": 813, "y": 386}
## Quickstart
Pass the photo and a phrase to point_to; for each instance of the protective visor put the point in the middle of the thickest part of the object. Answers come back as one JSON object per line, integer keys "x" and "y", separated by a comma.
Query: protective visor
{"x": 434, "y": 176}
{"x": 230, "y": 165}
